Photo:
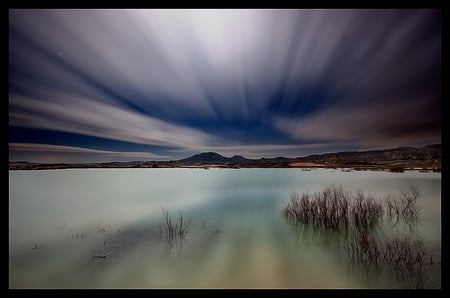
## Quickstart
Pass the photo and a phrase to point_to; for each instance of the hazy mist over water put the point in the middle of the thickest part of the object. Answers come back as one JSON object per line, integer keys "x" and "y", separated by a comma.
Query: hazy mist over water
{"x": 237, "y": 236}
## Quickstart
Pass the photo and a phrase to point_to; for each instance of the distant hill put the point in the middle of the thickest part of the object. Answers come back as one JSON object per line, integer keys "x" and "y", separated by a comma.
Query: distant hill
{"x": 238, "y": 158}
{"x": 427, "y": 153}
{"x": 211, "y": 157}
{"x": 216, "y": 158}
{"x": 427, "y": 157}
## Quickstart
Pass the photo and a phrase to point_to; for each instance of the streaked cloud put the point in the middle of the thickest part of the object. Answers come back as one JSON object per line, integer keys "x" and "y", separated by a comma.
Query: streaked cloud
{"x": 257, "y": 82}
{"x": 89, "y": 117}
{"x": 370, "y": 125}
{"x": 70, "y": 149}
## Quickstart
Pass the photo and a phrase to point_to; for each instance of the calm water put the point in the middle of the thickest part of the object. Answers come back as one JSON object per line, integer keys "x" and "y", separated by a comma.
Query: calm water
{"x": 237, "y": 237}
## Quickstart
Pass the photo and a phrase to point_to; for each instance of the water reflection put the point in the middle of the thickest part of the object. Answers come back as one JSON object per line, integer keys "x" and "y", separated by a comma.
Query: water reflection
{"x": 369, "y": 252}
{"x": 236, "y": 238}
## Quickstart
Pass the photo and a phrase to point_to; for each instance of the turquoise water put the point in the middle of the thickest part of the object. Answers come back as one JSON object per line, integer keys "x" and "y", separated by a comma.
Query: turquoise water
{"x": 237, "y": 237}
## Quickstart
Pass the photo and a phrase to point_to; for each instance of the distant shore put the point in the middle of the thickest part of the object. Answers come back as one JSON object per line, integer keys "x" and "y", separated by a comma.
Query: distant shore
{"x": 427, "y": 158}
{"x": 392, "y": 167}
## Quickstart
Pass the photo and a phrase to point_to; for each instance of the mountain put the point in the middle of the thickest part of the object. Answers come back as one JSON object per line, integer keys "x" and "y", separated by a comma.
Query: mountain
{"x": 427, "y": 157}
{"x": 212, "y": 157}
{"x": 427, "y": 153}
{"x": 238, "y": 158}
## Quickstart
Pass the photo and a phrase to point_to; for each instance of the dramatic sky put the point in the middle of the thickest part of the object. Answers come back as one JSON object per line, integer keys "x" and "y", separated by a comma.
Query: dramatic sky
{"x": 104, "y": 85}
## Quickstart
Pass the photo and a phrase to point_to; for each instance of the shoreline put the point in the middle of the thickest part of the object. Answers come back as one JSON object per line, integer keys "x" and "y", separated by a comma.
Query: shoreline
{"x": 395, "y": 168}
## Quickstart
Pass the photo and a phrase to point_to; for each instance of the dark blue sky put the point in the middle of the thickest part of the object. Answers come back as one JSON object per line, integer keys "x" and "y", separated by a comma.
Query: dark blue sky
{"x": 104, "y": 85}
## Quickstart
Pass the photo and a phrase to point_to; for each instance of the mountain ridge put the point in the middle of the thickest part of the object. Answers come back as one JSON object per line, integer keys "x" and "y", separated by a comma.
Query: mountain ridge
{"x": 396, "y": 159}
{"x": 429, "y": 152}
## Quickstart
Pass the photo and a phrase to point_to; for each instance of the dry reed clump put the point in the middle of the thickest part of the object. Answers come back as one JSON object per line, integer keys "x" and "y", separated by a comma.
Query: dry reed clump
{"x": 406, "y": 208}
{"x": 177, "y": 230}
{"x": 358, "y": 215}
{"x": 334, "y": 208}
{"x": 365, "y": 211}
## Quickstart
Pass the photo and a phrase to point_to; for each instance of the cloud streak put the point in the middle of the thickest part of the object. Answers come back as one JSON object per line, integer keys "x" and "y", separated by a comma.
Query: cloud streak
{"x": 89, "y": 117}
{"x": 70, "y": 149}
{"x": 368, "y": 125}
{"x": 189, "y": 80}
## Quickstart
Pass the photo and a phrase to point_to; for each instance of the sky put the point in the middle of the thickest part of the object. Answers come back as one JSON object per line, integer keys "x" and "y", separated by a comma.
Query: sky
{"x": 125, "y": 85}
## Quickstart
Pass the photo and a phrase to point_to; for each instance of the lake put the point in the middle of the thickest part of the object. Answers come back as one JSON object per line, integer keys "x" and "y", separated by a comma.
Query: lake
{"x": 104, "y": 228}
